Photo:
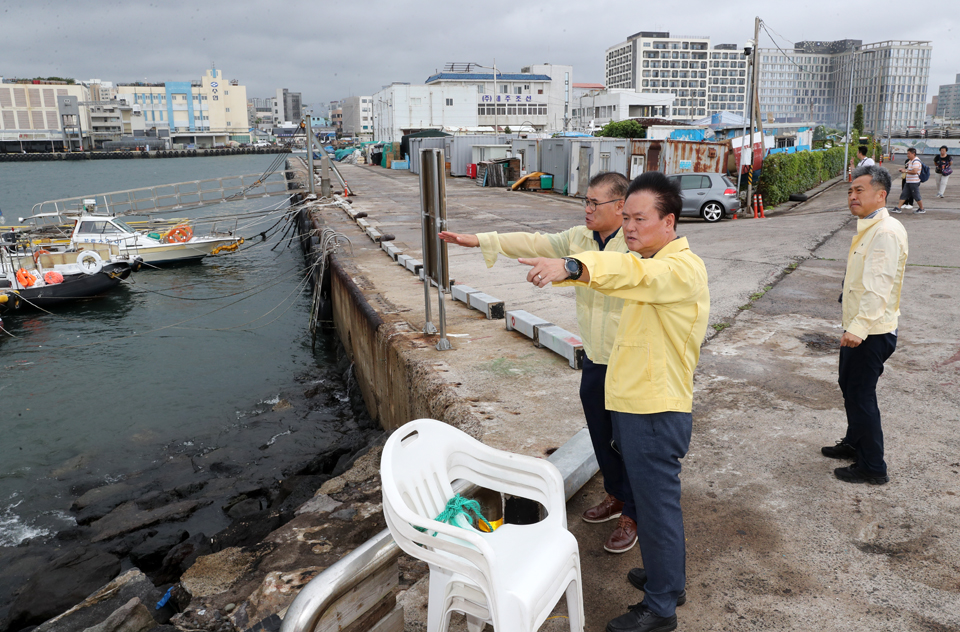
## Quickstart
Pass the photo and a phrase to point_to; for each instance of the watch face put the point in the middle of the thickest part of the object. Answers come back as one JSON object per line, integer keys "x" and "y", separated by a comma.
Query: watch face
{"x": 571, "y": 266}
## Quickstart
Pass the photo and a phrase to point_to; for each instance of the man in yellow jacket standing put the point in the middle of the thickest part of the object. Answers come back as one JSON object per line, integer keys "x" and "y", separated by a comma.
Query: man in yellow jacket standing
{"x": 871, "y": 312}
{"x": 649, "y": 385}
{"x": 598, "y": 317}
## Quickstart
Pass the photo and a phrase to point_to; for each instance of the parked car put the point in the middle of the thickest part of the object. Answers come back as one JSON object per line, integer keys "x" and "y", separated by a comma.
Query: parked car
{"x": 711, "y": 196}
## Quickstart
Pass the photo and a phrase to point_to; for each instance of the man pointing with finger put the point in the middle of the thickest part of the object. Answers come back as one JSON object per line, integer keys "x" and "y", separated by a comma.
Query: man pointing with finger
{"x": 598, "y": 317}
{"x": 649, "y": 383}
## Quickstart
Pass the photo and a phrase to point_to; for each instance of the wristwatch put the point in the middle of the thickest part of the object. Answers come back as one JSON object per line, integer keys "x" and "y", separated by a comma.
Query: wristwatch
{"x": 573, "y": 267}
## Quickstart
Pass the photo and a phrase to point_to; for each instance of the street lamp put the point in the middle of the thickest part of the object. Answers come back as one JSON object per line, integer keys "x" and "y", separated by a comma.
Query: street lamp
{"x": 496, "y": 108}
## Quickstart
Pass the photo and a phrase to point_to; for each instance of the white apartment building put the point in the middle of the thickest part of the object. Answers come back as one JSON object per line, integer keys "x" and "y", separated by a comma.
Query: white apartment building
{"x": 207, "y": 112}
{"x": 947, "y": 101}
{"x": 592, "y": 110}
{"x": 401, "y": 108}
{"x": 705, "y": 79}
{"x": 357, "y": 116}
{"x": 539, "y": 97}
{"x": 813, "y": 82}
{"x": 287, "y": 106}
{"x": 30, "y": 115}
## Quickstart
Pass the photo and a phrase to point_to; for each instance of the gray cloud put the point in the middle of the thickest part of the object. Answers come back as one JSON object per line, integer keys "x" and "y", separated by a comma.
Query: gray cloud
{"x": 334, "y": 48}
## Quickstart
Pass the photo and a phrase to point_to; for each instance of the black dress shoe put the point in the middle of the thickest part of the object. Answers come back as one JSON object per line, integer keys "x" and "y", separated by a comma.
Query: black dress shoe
{"x": 842, "y": 450}
{"x": 642, "y": 619}
{"x": 853, "y": 474}
{"x": 638, "y": 577}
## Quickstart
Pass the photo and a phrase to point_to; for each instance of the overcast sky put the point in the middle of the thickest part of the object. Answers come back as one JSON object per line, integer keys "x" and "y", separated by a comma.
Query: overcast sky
{"x": 330, "y": 49}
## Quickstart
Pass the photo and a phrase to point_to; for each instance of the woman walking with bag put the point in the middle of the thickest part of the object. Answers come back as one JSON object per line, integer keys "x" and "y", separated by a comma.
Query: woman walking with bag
{"x": 944, "y": 165}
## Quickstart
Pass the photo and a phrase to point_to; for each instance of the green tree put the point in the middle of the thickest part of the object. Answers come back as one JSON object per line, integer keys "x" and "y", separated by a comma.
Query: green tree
{"x": 858, "y": 117}
{"x": 507, "y": 130}
{"x": 623, "y": 129}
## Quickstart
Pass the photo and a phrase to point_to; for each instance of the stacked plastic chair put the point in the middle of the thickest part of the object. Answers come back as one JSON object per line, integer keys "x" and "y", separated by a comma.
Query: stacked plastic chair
{"x": 511, "y": 578}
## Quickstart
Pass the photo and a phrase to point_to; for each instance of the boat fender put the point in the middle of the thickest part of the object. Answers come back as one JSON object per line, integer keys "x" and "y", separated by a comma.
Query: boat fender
{"x": 154, "y": 236}
{"x": 137, "y": 265}
{"x": 36, "y": 255}
{"x": 90, "y": 262}
{"x": 52, "y": 278}
{"x": 24, "y": 278}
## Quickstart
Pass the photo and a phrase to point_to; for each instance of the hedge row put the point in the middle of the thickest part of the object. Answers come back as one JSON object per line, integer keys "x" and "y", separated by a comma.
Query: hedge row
{"x": 786, "y": 174}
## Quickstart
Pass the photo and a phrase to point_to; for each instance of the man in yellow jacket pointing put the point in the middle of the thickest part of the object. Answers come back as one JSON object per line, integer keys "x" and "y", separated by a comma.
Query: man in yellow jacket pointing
{"x": 871, "y": 312}
{"x": 649, "y": 383}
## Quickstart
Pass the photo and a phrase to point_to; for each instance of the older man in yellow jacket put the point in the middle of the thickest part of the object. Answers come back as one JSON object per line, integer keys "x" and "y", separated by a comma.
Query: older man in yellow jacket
{"x": 598, "y": 316}
{"x": 649, "y": 385}
{"x": 871, "y": 312}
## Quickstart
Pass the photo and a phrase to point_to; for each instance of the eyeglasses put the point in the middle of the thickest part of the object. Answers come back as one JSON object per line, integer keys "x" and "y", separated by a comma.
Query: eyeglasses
{"x": 588, "y": 203}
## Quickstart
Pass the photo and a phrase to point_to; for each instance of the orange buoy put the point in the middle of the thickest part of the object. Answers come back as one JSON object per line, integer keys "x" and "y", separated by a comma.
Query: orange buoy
{"x": 52, "y": 278}
{"x": 24, "y": 278}
{"x": 179, "y": 234}
{"x": 36, "y": 255}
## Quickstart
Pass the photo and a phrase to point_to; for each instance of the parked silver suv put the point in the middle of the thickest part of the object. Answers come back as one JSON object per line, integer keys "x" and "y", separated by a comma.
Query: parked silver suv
{"x": 711, "y": 196}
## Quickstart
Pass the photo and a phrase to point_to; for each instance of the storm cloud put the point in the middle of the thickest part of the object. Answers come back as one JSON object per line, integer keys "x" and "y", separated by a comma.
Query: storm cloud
{"x": 335, "y": 48}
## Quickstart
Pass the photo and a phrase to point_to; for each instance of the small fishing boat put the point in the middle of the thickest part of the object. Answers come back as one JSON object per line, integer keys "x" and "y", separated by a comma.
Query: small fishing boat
{"x": 178, "y": 244}
{"x": 41, "y": 278}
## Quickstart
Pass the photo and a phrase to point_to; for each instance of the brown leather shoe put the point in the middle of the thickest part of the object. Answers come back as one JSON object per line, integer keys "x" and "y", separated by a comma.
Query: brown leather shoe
{"x": 608, "y": 509}
{"x": 623, "y": 538}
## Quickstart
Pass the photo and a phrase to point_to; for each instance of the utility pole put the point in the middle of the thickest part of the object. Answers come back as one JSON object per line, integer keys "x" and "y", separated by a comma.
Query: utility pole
{"x": 311, "y": 177}
{"x": 754, "y": 105}
{"x": 846, "y": 148}
{"x": 496, "y": 104}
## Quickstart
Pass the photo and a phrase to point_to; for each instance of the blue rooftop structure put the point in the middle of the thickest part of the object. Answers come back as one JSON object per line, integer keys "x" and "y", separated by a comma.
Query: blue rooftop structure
{"x": 484, "y": 76}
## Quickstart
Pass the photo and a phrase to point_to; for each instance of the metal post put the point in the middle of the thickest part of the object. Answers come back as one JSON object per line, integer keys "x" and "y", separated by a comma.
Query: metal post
{"x": 754, "y": 104}
{"x": 440, "y": 221}
{"x": 496, "y": 101}
{"x": 425, "y": 200}
{"x": 324, "y": 175}
{"x": 743, "y": 138}
{"x": 846, "y": 148}
{"x": 312, "y": 177}
{"x": 889, "y": 125}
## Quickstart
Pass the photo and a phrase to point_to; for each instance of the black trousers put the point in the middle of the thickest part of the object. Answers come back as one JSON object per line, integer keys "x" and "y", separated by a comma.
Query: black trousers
{"x": 860, "y": 369}
{"x": 600, "y": 426}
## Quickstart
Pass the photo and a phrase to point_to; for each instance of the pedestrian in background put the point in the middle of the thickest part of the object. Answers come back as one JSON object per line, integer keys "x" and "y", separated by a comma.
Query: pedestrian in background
{"x": 649, "y": 382}
{"x": 911, "y": 189}
{"x": 598, "y": 317}
{"x": 871, "y": 312}
{"x": 863, "y": 159}
{"x": 944, "y": 165}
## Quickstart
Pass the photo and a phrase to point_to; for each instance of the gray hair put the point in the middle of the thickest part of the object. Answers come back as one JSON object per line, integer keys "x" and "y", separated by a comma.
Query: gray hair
{"x": 879, "y": 177}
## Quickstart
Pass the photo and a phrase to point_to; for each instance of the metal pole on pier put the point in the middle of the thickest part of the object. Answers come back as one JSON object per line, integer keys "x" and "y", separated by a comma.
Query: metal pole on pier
{"x": 312, "y": 177}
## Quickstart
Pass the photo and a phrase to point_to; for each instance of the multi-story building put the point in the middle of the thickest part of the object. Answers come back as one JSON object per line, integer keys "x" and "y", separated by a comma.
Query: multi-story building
{"x": 813, "y": 82}
{"x": 592, "y": 110}
{"x": 539, "y": 97}
{"x": 705, "y": 79}
{"x": 948, "y": 101}
{"x": 205, "y": 113}
{"x": 287, "y": 106}
{"x": 30, "y": 115}
{"x": 336, "y": 114}
{"x": 357, "y": 117}
{"x": 401, "y": 108}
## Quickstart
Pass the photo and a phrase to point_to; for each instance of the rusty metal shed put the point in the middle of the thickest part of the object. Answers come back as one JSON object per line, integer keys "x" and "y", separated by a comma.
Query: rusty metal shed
{"x": 677, "y": 156}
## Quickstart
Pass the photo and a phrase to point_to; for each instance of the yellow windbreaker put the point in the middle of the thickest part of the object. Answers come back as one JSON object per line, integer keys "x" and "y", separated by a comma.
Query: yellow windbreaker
{"x": 871, "y": 286}
{"x": 664, "y": 320}
{"x": 597, "y": 315}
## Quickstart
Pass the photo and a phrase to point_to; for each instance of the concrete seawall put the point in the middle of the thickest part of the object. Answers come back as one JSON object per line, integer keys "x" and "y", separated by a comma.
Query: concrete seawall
{"x": 128, "y": 155}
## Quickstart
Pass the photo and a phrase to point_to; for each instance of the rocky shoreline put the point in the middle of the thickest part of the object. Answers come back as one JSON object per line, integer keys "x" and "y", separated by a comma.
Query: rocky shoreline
{"x": 294, "y": 487}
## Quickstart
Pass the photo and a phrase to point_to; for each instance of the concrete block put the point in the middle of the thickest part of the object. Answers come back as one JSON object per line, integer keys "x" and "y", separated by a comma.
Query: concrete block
{"x": 421, "y": 273}
{"x": 462, "y": 293}
{"x": 373, "y": 234}
{"x": 492, "y": 307}
{"x": 524, "y": 322}
{"x": 390, "y": 249}
{"x": 562, "y": 342}
{"x": 363, "y": 224}
{"x": 576, "y": 461}
{"x": 402, "y": 259}
{"x": 413, "y": 265}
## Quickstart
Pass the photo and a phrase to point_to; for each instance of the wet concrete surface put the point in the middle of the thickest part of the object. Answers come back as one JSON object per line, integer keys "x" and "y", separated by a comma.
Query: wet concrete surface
{"x": 775, "y": 542}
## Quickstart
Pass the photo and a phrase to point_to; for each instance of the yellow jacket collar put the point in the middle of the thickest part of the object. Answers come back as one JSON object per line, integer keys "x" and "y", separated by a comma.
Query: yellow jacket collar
{"x": 863, "y": 224}
{"x": 677, "y": 245}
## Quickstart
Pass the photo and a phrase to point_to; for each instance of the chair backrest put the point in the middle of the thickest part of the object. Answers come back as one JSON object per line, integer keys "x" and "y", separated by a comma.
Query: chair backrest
{"x": 419, "y": 463}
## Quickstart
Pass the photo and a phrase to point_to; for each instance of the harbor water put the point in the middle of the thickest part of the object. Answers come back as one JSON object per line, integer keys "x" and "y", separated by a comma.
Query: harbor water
{"x": 176, "y": 360}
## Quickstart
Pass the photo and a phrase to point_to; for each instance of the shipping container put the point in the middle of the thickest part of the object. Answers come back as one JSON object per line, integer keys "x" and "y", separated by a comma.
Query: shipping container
{"x": 458, "y": 150}
{"x": 528, "y": 150}
{"x": 416, "y": 144}
{"x": 592, "y": 156}
{"x": 677, "y": 156}
{"x": 555, "y": 160}
{"x": 483, "y": 153}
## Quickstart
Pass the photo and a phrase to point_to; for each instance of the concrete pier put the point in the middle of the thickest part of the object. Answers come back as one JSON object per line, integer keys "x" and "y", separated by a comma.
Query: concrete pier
{"x": 774, "y": 540}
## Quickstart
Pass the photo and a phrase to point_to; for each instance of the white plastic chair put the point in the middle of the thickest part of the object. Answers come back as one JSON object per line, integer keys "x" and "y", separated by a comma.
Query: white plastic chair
{"x": 511, "y": 578}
